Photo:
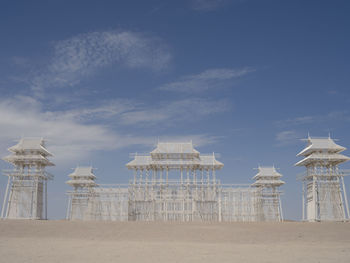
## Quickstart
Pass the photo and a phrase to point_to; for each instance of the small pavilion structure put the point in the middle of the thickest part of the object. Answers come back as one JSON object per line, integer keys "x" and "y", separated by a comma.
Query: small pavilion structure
{"x": 324, "y": 192}
{"x": 267, "y": 182}
{"x": 83, "y": 182}
{"x": 26, "y": 190}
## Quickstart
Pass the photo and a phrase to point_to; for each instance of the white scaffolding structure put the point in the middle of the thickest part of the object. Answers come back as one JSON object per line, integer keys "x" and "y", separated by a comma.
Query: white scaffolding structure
{"x": 192, "y": 194}
{"x": 90, "y": 201}
{"x": 239, "y": 203}
{"x": 26, "y": 190}
{"x": 324, "y": 193}
{"x": 174, "y": 182}
{"x": 269, "y": 206}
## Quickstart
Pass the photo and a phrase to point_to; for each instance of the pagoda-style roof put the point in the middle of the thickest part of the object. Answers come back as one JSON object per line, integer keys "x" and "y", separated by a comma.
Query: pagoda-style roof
{"x": 321, "y": 144}
{"x": 147, "y": 162}
{"x": 210, "y": 160}
{"x": 30, "y": 144}
{"x": 82, "y": 177}
{"x": 322, "y": 151}
{"x": 267, "y": 171}
{"x": 174, "y": 148}
{"x": 268, "y": 183}
{"x": 333, "y": 158}
{"x": 28, "y": 159}
{"x": 140, "y": 160}
{"x": 83, "y": 172}
{"x": 267, "y": 176}
{"x": 81, "y": 183}
{"x": 174, "y": 156}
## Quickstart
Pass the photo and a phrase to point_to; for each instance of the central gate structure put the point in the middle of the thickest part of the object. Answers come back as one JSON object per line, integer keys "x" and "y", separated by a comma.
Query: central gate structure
{"x": 190, "y": 195}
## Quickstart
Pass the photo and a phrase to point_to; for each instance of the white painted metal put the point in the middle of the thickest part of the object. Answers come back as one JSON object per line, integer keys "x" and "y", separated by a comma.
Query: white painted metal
{"x": 26, "y": 195}
{"x": 161, "y": 198}
{"x": 324, "y": 195}
{"x": 174, "y": 182}
{"x": 89, "y": 201}
{"x": 268, "y": 202}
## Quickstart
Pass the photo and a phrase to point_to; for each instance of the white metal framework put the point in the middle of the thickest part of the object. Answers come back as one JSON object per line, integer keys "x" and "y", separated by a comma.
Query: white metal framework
{"x": 324, "y": 194}
{"x": 239, "y": 203}
{"x": 191, "y": 194}
{"x": 174, "y": 182}
{"x": 90, "y": 201}
{"x": 269, "y": 204}
{"x": 26, "y": 191}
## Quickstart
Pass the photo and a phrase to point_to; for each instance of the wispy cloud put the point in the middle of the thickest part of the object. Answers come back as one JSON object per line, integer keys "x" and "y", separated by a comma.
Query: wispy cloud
{"x": 208, "y": 5}
{"x": 287, "y": 137}
{"x": 310, "y": 119}
{"x": 83, "y": 55}
{"x": 175, "y": 111}
{"x": 208, "y": 79}
{"x": 76, "y": 134}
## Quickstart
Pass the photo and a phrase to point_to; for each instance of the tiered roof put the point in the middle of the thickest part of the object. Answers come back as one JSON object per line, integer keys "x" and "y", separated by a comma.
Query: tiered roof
{"x": 267, "y": 176}
{"x": 29, "y": 151}
{"x": 82, "y": 177}
{"x": 174, "y": 155}
{"x": 182, "y": 150}
{"x": 322, "y": 150}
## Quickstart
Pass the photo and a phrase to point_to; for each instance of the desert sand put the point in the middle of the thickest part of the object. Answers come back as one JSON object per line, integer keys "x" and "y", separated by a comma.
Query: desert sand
{"x": 64, "y": 241}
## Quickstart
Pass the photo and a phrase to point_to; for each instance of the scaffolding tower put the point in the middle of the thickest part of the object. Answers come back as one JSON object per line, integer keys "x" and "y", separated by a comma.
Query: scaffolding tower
{"x": 324, "y": 194}
{"x": 26, "y": 190}
{"x": 267, "y": 182}
{"x": 83, "y": 181}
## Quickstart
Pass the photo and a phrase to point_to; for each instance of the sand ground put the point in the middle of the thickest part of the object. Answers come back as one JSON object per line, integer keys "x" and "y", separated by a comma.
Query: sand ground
{"x": 64, "y": 241}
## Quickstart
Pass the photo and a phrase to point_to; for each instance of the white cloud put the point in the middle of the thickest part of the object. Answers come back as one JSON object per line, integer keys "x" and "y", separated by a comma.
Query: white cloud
{"x": 74, "y": 135}
{"x": 287, "y": 137}
{"x": 208, "y": 79}
{"x": 197, "y": 139}
{"x": 175, "y": 111}
{"x": 83, "y": 55}
{"x": 68, "y": 139}
{"x": 311, "y": 119}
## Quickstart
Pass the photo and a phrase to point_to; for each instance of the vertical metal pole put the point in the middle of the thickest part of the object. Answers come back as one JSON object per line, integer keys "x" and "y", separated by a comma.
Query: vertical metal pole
{"x": 303, "y": 201}
{"x": 208, "y": 177}
{"x": 345, "y": 198}
{"x": 314, "y": 198}
{"x": 68, "y": 207}
{"x": 5, "y": 197}
{"x": 167, "y": 175}
{"x": 9, "y": 201}
{"x": 45, "y": 199}
{"x": 340, "y": 196}
{"x": 280, "y": 207}
{"x": 220, "y": 209}
{"x": 135, "y": 175}
{"x": 181, "y": 175}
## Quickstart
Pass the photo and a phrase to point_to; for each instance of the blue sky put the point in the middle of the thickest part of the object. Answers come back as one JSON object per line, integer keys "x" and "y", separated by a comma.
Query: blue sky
{"x": 246, "y": 79}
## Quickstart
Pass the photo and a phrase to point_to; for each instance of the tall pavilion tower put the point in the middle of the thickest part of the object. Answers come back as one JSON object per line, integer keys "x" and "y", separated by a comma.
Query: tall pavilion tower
{"x": 324, "y": 193}
{"x": 268, "y": 180}
{"x": 83, "y": 181}
{"x": 26, "y": 191}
